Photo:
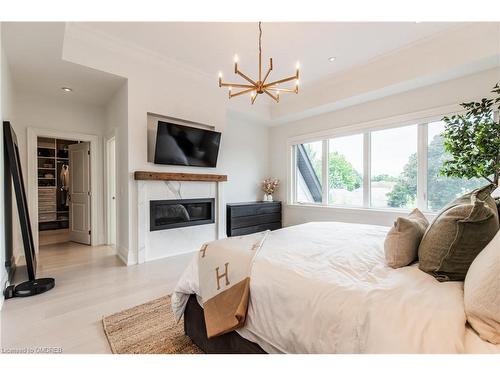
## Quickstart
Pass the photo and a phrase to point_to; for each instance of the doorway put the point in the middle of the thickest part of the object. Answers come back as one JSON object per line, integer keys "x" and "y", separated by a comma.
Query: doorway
{"x": 95, "y": 195}
{"x": 63, "y": 187}
{"x": 111, "y": 190}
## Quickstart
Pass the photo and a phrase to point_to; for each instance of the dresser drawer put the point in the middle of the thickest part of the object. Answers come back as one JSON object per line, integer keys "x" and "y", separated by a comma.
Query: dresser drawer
{"x": 258, "y": 209}
{"x": 255, "y": 229}
{"x": 248, "y": 221}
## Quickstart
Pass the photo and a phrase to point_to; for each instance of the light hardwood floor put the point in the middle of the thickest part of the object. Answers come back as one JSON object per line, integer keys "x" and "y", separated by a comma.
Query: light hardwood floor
{"x": 91, "y": 282}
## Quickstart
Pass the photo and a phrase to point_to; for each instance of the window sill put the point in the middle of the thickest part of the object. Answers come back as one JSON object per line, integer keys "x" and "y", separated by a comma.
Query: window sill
{"x": 363, "y": 210}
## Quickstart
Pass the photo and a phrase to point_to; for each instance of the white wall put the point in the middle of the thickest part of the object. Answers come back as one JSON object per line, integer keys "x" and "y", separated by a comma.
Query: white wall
{"x": 447, "y": 93}
{"x": 244, "y": 157}
{"x": 117, "y": 126}
{"x": 32, "y": 110}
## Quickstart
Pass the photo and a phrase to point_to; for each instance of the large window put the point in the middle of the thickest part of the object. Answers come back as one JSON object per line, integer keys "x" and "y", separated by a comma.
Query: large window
{"x": 394, "y": 167}
{"x": 391, "y": 168}
{"x": 345, "y": 171}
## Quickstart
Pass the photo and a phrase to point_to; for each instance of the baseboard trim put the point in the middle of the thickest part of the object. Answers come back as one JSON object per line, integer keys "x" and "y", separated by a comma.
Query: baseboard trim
{"x": 122, "y": 254}
{"x": 172, "y": 255}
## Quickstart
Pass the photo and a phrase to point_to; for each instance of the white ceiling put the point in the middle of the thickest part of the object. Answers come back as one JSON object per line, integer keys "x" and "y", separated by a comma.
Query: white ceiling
{"x": 209, "y": 47}
{"x": 34, "y": 55}
{"x": 34, "y": 50}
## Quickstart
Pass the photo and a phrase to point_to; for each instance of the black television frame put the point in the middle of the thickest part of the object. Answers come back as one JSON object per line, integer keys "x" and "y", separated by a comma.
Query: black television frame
{"x": 189, "y": 128}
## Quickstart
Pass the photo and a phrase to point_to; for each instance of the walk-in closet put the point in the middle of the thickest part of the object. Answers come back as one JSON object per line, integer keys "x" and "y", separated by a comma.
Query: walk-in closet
{"x": 53, "y": 190}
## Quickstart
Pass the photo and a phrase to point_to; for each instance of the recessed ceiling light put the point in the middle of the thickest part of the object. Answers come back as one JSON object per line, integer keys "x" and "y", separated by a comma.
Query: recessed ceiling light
{"x": 66, "y": 89}
{"x": 332, "y": 58}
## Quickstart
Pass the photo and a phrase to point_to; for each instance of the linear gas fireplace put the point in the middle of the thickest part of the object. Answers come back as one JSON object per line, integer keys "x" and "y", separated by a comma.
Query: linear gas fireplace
{"x": 176, "y": 213}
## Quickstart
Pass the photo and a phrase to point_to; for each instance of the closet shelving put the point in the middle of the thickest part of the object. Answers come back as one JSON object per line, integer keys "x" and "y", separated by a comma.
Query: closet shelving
{"x": 53, "y": 211}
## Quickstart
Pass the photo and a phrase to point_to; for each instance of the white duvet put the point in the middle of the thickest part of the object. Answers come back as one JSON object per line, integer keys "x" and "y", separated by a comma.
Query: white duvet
{"x": 325, "y": 288}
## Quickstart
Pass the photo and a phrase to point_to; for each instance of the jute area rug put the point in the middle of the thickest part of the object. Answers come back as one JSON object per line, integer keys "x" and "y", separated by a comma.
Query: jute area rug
{"x": 149, "y": 328}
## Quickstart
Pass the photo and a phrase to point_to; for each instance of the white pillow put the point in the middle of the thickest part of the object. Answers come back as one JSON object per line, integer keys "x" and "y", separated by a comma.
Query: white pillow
{"x": 482, "y": 292}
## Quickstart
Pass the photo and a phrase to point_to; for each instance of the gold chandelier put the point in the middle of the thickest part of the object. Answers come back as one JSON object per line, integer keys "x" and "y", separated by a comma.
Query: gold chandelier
{"x": 260, "y": 86}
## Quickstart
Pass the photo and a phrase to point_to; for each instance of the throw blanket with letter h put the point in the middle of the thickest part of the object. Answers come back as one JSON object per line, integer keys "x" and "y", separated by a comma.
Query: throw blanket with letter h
{"x": 224, "y": 268}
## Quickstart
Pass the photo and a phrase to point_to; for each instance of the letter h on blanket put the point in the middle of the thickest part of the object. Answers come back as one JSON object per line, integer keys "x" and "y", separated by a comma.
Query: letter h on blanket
{"x": 225, "y": 274}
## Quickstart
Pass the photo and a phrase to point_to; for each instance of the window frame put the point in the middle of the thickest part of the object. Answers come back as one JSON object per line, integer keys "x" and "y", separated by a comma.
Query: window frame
{"x": 420, "y": 119}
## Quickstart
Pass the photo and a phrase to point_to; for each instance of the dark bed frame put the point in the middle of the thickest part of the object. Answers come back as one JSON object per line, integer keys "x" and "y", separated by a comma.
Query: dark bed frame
{"x": 228, "y": 343}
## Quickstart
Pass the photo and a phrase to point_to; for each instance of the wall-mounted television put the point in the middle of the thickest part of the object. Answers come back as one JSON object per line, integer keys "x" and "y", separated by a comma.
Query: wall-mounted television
{"x": 185, "y": 145}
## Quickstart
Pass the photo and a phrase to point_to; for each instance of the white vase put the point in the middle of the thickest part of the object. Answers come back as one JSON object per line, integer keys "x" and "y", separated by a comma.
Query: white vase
{"x": 264, "y": 198}
{"x": 269, "y": 197}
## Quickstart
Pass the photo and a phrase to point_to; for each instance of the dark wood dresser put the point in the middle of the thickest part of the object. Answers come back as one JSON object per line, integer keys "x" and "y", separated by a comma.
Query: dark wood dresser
{"x": 252, "y": 217}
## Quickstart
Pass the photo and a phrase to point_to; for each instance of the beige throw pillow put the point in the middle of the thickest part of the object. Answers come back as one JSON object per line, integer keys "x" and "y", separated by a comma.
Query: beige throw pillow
{"x": 458, "y": 233}
{"x": 482, "y": 292}
{"x": 402, "y": 240}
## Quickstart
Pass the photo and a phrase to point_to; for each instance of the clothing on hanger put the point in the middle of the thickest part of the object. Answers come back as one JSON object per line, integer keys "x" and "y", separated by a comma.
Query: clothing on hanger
{"x": 64, "y": 181}
{"x": 64, "y": 177}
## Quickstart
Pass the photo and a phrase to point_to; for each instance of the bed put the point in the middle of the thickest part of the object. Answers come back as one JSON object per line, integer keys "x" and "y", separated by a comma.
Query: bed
{"x": 325, "y": 288}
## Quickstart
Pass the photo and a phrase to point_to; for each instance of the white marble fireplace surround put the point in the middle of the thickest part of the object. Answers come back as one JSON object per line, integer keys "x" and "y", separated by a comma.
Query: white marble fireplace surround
{"x": 175, "y": 241}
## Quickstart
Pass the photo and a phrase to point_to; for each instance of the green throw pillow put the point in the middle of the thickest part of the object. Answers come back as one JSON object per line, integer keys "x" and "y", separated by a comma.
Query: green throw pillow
{"x": 458, "y": 234}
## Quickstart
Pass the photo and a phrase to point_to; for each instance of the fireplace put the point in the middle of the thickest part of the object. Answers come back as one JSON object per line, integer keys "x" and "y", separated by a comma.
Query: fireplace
{"x": 177, "y": 213}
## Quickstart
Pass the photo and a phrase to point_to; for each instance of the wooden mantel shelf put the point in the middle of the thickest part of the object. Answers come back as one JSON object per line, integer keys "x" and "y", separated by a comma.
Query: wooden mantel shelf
{"x": 168, "y": 176}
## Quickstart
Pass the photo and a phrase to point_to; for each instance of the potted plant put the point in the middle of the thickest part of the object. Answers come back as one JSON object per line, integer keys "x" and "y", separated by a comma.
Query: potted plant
{"x": 473, "y": 141}
{"x": 269, "y": 186}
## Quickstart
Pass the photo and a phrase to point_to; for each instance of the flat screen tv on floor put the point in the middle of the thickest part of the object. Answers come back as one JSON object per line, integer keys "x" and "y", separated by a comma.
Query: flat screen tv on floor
{"x": 185, "y": 145}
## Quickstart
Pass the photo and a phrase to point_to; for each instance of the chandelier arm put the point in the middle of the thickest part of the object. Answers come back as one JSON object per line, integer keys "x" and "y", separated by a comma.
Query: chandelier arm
{"x": 246, "y": 78}
{"x": 271, "y": 95}
{"x": 242, "y": 92}
{"x": 239, "y": 85}
{"x": 280, "y": 81}
{"x": 279, "y": 90}
{"x": 254, "y": 98}
{"x": 268, "y": 70}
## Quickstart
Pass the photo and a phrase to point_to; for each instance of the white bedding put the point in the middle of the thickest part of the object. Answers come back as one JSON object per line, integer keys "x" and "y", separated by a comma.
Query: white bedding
{"x": 324, "y": 288}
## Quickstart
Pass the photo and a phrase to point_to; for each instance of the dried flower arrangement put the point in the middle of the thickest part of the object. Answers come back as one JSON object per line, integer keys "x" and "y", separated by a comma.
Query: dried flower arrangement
{"x": 269, "y": 185}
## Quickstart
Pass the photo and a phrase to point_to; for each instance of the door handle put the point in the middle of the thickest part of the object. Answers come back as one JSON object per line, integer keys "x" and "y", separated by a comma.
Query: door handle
{"x": 113, "y": 198}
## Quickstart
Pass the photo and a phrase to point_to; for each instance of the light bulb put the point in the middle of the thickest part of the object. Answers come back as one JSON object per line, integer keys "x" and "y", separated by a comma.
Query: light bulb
{"x": 220, "y": 74}
{"x": 236, "y": 58}
{"x": 297, "y": 82}
{"x": 297, "y": 66}
{"x": 229, "y": 89}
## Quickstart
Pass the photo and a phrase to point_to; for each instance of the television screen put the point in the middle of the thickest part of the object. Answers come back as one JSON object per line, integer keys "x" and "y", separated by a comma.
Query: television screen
{"x": 185, "y": 145}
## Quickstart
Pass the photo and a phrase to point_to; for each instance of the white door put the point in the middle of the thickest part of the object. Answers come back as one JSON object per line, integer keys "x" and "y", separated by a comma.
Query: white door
{"x": 79, "y": 190}
{"x": 111, "y": 178}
